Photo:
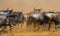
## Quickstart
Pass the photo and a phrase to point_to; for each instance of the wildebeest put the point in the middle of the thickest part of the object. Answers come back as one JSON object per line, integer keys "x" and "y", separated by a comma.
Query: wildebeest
{"x": 3, "y": 17}
{"x": 39, "y": 18}
{"x": 53, "y": 17}
{"x": 10, "y": 18}
{"x": 27, "y": 20}
{"x": 57, "y": 20}
{"x": 42, "y": 17}
{"x": 45, "y": 17}
{"x": 34, "y": 17}
{"x": 15, "y": 18}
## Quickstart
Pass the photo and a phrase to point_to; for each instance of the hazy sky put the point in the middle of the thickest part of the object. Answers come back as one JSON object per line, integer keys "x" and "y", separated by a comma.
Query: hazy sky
{"x": 28, "y": 5}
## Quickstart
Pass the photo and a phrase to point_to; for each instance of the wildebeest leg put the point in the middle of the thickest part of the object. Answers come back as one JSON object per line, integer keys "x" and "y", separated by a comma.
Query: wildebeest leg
{"x": 29, "y": 23}
{"x": 10, "y": 27}
{"x": 4, "y": 27}
{"x": 0, "y": 29}
{"x": 11, "y": 30}
{"x": 56, "y": 26}
{"x": 49, "y": 26}
{"x": 22, "y": 22}
{"x": 38, "y": 26}
{"x": 49, "y": 23}
{"x": 35, "y": 25}
{"x": 41, "y": 25}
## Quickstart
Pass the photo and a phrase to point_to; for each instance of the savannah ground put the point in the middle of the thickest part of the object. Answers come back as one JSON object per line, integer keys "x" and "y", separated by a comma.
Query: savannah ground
{"x": 23, "y": 32}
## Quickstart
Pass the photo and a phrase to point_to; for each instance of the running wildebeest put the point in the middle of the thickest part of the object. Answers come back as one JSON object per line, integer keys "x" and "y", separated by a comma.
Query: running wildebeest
{"x": 27, "y": 20}
{"x": 33, "y": 17}
{"x": 46, "y": 17}
{"x": 3, "y": 17}
{"x": 56, "y": 20}
{"x": 41, "y": 18}
{"x": 54, "y": 17}
{"x": 11, "y": 18}
{"x": 38, "y": 18}
{"x": 50, "y": 16}
{"x": 15, "y": 18}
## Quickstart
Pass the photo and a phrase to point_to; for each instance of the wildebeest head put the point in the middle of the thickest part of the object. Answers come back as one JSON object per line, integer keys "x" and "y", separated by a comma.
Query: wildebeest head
{"x": 3, "y": 15}
{"x": 5, "y": 12}
{"x": 19, "y": 16}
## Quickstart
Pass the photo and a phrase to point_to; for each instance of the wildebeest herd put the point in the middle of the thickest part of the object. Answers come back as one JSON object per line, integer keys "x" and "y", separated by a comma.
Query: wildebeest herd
{"x": 10, "y": 18}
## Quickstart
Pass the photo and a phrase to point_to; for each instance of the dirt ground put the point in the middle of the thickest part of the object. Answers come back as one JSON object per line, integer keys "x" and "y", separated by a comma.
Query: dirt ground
{"x": 23, "y": 32}
{"x": 32, "y": 34}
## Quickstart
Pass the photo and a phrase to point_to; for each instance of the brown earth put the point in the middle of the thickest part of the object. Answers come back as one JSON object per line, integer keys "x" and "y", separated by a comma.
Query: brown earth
{"x": 23, "y": 32}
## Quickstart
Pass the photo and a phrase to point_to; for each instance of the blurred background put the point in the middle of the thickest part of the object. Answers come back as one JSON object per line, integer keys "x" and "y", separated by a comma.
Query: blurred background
{"x": 28, "y": 5}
